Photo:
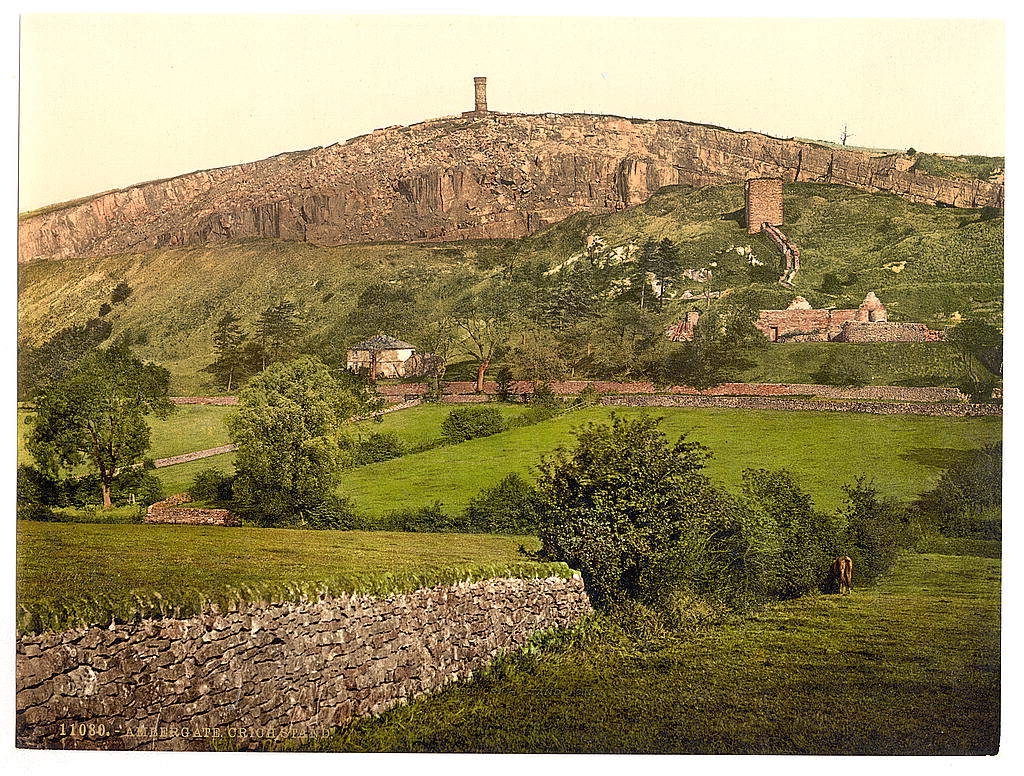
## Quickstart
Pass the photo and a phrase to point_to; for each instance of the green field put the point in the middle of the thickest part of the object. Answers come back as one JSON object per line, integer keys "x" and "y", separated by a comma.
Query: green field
{"x": 911, "y": 666}
{"x": 70, "y": 566}
{"x": 188, "y": 428}
{"x": 905, "y": 454}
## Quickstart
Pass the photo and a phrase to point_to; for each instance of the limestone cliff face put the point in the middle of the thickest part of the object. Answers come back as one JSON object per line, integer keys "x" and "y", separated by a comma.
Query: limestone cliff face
{"x": 494, "y": 175}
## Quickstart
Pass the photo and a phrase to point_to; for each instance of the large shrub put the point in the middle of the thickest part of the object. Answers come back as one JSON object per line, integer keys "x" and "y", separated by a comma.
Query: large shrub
{"x": 291, "y": 443}
{"x": 877, "y": 530}
{"x": 794, "y": 543}
{"x": 212, "y": 485}
{"x": 464, "y": 423}
{"x": 842, "y": 368}
{"x": 509, "y": 507}
{"x": 379, "y": 446}
{"x": 967, "y": 495}
{"x": 625, "y": 508}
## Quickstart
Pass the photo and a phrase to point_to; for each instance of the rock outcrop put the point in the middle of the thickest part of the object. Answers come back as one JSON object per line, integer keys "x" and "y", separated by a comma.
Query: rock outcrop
{"x": 492, "y": 175}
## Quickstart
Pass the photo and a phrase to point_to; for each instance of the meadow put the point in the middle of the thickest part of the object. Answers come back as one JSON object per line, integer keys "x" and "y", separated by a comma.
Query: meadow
{"x": 69, "y": 570}
{"x": 910, "y": 666}
{"x": 904, "y": 454}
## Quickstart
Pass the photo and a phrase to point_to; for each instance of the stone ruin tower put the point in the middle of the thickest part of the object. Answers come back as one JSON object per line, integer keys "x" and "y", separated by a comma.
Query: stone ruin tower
{"x": 763, "y": 201}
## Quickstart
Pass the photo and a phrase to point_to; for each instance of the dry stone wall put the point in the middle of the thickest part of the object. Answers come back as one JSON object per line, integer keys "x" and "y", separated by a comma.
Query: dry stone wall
{"x": 265, "y": 671}
{"x": 824, "y": 405}
{"x": 482, "y": 176}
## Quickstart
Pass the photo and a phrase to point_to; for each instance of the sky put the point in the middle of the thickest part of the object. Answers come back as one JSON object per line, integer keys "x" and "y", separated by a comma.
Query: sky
{"x": 107, "y": 101}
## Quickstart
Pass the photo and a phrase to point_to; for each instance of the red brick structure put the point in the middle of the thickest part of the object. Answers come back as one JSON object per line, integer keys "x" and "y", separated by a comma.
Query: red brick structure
{"x": 868, "y": 323}
{"x": 763, "y": 203}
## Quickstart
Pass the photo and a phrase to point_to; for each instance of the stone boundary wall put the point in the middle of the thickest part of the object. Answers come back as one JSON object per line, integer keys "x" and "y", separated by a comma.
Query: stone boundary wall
{"x": 784, "y": 403}
{"x": 787, "y": 248}
{"x": 286, "y": 669}
{"x": 883, "y": 331}
{"x": 193, "y": 456}
{"x": 224, "y": 401}
{"x": 466, "y": 391}
{"x": 171, "y": 511}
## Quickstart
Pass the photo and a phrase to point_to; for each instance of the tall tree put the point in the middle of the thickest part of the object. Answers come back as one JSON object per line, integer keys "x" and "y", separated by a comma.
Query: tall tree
{"x": 96, "y": 414}
{"x": 278, "y": 328}
{"x": 229, "y": 342}
{"x": 487, "y": 322}
{"x": 666, "y": 264}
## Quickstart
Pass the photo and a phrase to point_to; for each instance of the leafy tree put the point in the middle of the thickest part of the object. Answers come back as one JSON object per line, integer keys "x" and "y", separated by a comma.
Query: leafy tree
{"x": 666, "y": 263}
{"x": 96, "y": 414}
{"x": 877, "y": 529}
{"x": 487, "y": 321}
{"x": 38, "y": 366}
{"x": 796, "y": 542}
{"x": 980, "y": 348}
{"x": 844, "y": 369}
{"x": 718, "y": 352}
{"x": 233, "y": 358}
{"x": 509, "y": 507}
{"x": 291, "y": 442}
{"x": 384, "y": 307}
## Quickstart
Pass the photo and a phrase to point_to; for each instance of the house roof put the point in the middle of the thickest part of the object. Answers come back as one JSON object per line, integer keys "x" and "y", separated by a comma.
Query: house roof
{"x": 382, "y": 342}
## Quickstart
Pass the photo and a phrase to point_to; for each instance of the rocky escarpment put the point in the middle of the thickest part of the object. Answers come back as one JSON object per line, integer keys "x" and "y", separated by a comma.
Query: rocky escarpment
{"x": 491, "y": 175}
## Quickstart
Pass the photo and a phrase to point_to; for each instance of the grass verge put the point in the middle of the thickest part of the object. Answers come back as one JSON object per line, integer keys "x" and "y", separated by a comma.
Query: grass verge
{"x": 73, "y": 575}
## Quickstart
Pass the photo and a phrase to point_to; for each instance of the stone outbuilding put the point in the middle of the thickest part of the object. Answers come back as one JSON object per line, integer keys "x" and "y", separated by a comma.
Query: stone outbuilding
{"x": 868, "y": 323}
{"x": 381, "y": 356}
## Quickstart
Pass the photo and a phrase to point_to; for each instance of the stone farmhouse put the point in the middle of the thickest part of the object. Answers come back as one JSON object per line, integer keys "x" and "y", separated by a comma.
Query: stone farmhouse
{"x": 383, "y": 356}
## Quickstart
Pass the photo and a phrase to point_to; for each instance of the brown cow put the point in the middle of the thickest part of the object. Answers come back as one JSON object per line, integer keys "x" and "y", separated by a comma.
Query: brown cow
{"x": 841, "y": 574}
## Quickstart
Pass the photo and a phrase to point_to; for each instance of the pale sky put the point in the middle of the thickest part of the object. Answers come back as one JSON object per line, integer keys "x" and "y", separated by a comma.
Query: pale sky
{"x": 108, "y": 101}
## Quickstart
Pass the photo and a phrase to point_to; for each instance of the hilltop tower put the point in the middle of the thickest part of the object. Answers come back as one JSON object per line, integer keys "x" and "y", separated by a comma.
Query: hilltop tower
{"x": 480, "y": 94}
{"x": 763, "y": 199}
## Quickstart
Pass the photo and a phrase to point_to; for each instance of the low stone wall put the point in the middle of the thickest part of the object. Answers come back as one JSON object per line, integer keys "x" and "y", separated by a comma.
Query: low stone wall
{"x": 882, "y": 331}
{"x": 171, "y": 512}
{"x": 466, "y": 391}
{"x": 159, "y": 463}
{"x": 224, "y": 401}
{"x": 783, "y": 403}
{"x": 271, "y": 670}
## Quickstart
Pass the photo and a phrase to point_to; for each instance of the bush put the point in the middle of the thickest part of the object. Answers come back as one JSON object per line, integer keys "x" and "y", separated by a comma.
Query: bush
{"x": 624, "y": 508}
{"x": 544, "y": 396}
{"x": 212, "y": 485}
{"x": 35, "y": 511}
{"x": 967, "y": 497}
{"x": 421, "y": 519}
{"x": 136, "y": 486}
{"x": 333, "y": 514}
{"x": 509, "y": 507}
{"x": 471, "y": 422}
{"x": 877, "y": 530}
{"x": 795, "y": 543}
{"x": 37, "y": 487}
{"x": 379, "y": 447}
{"x": 504, "y": 379}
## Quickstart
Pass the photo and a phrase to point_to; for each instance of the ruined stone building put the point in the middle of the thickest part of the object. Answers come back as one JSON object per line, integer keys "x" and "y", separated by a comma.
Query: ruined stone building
{"x": 868, "y": 323}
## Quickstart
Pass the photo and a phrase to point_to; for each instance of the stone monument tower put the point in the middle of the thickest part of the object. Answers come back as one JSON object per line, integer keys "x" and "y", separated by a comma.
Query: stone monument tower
{"x": 480, "y": 93}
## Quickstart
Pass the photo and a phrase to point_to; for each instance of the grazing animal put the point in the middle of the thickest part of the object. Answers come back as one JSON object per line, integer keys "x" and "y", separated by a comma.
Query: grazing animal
{"x": 841, "y": 574}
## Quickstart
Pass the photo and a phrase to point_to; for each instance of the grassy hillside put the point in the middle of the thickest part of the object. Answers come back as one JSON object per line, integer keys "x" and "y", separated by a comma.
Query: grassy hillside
{"x": 908, "y": 667}
{"x": 905, "y": 454}
{"x": 926, "y": 263}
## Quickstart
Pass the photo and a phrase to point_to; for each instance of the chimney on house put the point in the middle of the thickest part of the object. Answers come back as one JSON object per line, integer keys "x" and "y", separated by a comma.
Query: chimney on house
{"x": 480, "y": 93}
